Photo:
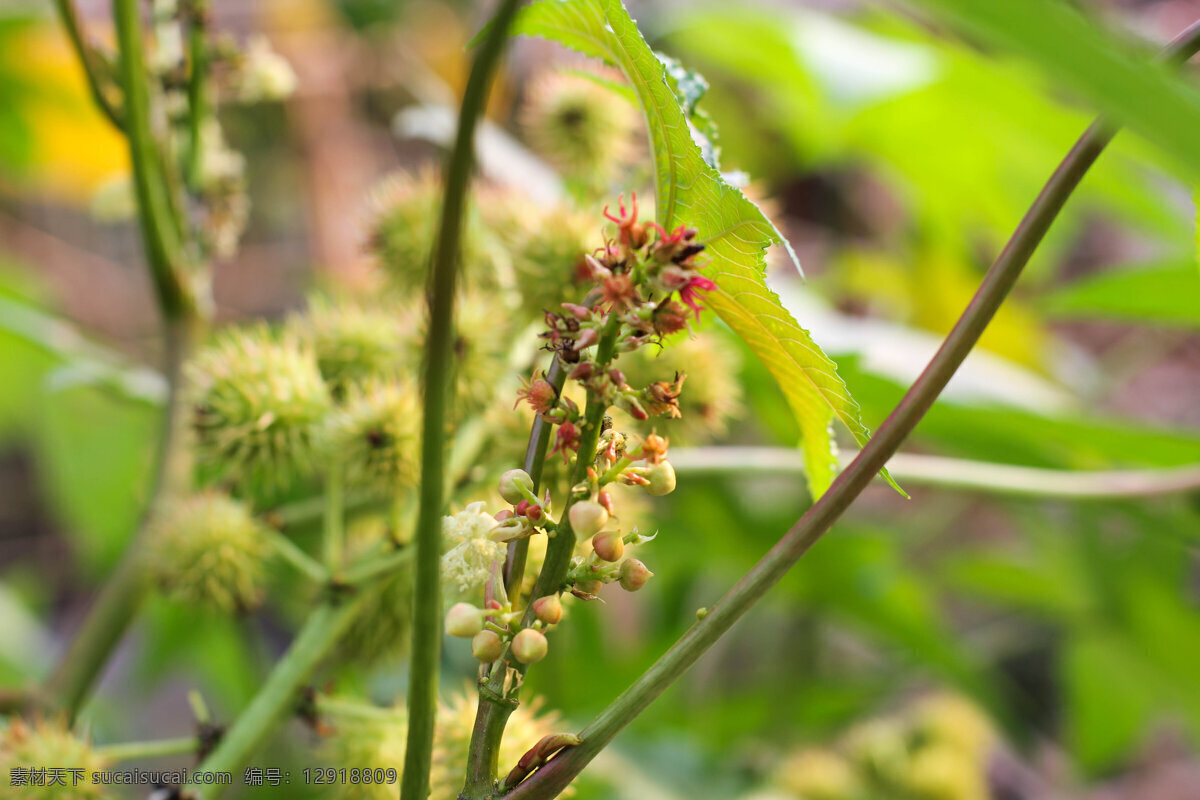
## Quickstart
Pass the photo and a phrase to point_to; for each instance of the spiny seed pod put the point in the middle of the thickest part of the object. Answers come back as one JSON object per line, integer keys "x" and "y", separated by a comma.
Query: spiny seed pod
{"x": 713, "y": 395}
{"x": 548, "y": 609}
{"x": 403, "y": 222}
{"x": 258, "y": 403}
{"x": 587, "y": 518}
{"x": 514, "y": 485}
{"x": 661, "y": 477}
{"x": 529, "y": 646}
{"x": 208, "y": 550}
{"x": 582, "y": 127}
{"x": 464, "y": 620}
{"x": 353, "y": 342}
{"x": 382, "y": 629}
{"x": 634, "y": 575}
{"x": 43, "y": 744}
{"x": 374, "y": 436}
{"x": 546, "y": 245}
{"x": 487, "y": 646}
{"x": 609, "y": 545}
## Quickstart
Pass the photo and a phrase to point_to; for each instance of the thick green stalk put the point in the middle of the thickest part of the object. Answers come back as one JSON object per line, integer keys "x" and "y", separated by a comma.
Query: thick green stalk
{"x": 439, "y": 356}
{"x": 281, "y": 694}
{"x": 558, "y": 773}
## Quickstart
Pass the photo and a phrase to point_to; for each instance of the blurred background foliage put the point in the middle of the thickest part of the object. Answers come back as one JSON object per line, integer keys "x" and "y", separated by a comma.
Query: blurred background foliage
{"x": 898, "y": 160}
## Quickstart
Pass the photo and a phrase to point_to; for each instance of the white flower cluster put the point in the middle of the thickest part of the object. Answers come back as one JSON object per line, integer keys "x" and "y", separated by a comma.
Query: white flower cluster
{"x": 467, "y": 564}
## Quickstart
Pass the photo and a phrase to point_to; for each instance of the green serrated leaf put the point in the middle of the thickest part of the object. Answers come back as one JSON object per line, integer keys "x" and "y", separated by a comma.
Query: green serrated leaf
{"x": 691, "y": 191}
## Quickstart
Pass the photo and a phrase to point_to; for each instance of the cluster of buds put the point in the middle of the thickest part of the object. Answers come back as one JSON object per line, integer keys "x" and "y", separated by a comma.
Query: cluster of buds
{"x": 497, "y": 626}
{"x": 608, "y": 562}
{"x": 647, "y": 285}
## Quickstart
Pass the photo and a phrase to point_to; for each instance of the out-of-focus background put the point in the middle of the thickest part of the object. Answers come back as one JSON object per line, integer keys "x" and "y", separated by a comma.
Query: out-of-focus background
{"x": 897, "y": 160}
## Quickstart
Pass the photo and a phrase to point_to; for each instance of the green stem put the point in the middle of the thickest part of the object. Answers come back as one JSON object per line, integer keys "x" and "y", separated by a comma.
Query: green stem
{"x": 439, "y": 356}
{"x": 136, "y": 751}
{"x": 71, "y": 681}
{"x": 280, "y": 695}
{"x": 299, "y": 559}
{"x": 492, "y": 714}
{"x": 160, "y": 229}
{"x": 355, "y": 709}
{"x": 954, "y": 473}
{"x": 91, "y": 62}
{"x": 557, "y": 774}
{"x": 535, "y": 462}
{"x": 334, "y": 538}
{"x": 380, "y": 565}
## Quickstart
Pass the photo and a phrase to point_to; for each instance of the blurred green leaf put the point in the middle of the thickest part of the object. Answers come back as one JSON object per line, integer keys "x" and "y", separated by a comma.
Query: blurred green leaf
{"x": 1115, "y": 76}
{"x": 691, "y": 192}
{"x": 93, "y": 453}
{"x": 1163, "y": 293}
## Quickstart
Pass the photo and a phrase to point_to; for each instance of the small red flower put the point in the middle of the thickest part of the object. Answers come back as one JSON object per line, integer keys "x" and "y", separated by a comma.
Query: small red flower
{"x": 538, "y": 392}
{"x": 689, "y": 293}
{"x": 566, "y": 440}
{"x": 633, "y": 233}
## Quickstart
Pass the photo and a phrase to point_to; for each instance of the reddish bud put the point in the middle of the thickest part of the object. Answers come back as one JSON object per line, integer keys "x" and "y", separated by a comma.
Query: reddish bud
{"x": 634, "y": 575}
{"x": 609, "y": 545}
{"x": 548, "y": 609}
{"x": 529, "y": 646}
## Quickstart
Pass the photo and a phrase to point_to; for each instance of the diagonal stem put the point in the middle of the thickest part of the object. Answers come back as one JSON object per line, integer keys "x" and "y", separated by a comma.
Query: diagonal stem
{"x": 551, "y": 779}
{"x": 98, "y": 82}
{"x": 439, "y": 357}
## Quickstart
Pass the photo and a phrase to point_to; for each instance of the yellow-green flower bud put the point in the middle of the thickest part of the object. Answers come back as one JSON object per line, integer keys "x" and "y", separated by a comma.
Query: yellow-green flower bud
{"x": 208, "y": 550}
{"x": 634, "y": 575}
{"x": 487, "y": 646}
{"x": 514, "y": 485}
{"x": 609, "y": 545}
{"x": 464, "y": 620}
{"x": 587, "y": 518}
{"x": 258, "y": 404}
{"x": 661, "y": 477}
{"x": 548, "y": 609}
{"x": 529, "y": 646}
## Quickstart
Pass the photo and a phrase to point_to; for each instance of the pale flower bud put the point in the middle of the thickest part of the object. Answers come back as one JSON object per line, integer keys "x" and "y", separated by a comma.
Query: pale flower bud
{"x": 634, "y": 575}
{"x": 529, "y": 646}
{"x": 609, "y": 545}
{"x": 587, "y": 518}
{"x": 487, "y": 646}
{"x": 548, "y": 609}
{"x": 514, "y": 485}
{"x": 464, "y": 620}
{"x": 661, "y": 477}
